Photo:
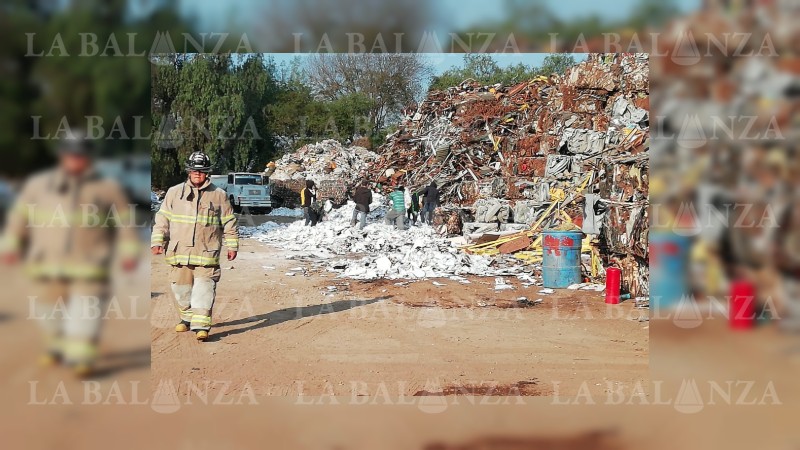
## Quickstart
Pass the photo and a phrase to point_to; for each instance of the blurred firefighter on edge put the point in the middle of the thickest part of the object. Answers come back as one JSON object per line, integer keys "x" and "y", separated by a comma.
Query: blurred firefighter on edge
{"x": 67, "y": 226}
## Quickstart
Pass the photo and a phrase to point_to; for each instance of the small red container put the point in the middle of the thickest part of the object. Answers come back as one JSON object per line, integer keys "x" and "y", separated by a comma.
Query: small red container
{"x": 742, "y": 309}
{"x": 613, "y": 276}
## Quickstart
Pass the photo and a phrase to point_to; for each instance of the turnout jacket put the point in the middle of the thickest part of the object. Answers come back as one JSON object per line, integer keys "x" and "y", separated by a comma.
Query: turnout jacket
{"x": 193, "y": 224}
{"x": 70, "y": 227}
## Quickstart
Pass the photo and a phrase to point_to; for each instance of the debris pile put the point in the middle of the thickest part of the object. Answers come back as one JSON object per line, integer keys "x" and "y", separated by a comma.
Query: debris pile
{"x": 571, "y": 149}
{"x": 566, "y": 151}
{"x": 286, "y": 212}
{"x": 330, "y": 165}
{"x": 380, "y": 251}
{"x": 325, "y": 160}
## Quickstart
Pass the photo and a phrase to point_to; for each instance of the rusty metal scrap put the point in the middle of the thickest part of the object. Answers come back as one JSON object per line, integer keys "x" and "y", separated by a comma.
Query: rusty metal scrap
{"x": 540, "y": 144}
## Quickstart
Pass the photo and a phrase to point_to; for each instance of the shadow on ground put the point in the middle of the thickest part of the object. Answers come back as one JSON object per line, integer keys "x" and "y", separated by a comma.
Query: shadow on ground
{"x": 287, "y": 314}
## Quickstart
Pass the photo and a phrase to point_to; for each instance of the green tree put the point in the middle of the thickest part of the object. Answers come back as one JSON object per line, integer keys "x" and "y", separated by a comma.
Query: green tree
{"x": 215, "y": 104}
{"x": 390, "y": 81}
{"x": 78, "y": 80}
{"x": 556, "y": 63}
{"x": 483, "y": 69}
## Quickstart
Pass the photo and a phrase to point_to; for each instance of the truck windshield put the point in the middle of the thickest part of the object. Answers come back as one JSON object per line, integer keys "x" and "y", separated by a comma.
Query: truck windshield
{"x": 248, "y": 179}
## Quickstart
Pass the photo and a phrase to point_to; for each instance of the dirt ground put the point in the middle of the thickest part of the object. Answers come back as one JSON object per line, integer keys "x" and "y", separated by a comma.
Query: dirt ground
{"x": 314, "y": 334}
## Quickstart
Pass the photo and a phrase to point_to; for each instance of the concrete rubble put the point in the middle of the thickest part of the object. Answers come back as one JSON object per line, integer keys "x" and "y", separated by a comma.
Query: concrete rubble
{"x": 382, "y": 251}
{"x": 325, "y": 160}
{"x": 332, "y": 166}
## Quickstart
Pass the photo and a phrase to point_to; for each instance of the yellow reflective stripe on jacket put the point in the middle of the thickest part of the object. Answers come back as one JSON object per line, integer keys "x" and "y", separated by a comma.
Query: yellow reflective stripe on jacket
{"x": 228, "y": 218}
{"x": 193, "y": 260}
{"x": 231, "y": 242}
{"x": 66, "y": 270}
{"x": 156, "y": 239}
{"x": 183, "y": 218}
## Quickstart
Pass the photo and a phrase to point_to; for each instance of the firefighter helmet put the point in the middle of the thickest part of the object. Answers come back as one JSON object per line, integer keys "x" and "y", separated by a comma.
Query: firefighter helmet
{"x": 198, "y": 161}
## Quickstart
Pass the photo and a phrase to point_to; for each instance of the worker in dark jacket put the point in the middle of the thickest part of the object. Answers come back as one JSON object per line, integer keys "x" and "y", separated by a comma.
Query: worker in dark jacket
{"x": 362, "y": 197}
{"x": 307, "y": 197}
{"x": 412, "y": 206}
{"x": 430, "y": 201}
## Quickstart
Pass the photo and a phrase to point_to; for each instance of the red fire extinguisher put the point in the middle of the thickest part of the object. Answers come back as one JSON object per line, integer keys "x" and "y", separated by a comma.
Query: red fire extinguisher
{"x": 613, "y": 277}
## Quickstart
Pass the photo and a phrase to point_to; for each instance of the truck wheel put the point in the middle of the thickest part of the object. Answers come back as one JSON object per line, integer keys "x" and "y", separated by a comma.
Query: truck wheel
{"x": 237, "y": 209}
{"x": 267, "y": 210}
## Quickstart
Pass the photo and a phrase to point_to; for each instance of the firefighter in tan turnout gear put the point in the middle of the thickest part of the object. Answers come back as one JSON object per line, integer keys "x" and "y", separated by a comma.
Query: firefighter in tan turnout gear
{"x": 66, "y": 227}
{"x": 194, "y": 220}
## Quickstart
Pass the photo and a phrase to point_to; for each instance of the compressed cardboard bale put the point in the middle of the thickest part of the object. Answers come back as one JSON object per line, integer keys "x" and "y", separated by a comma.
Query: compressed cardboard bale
{"x": 492, "y": 210}
{"x": 333, "y": 190}
{"x": 478, "y": 227}
{"x": 286, "y": 193}
{"x": 450, "y": 218}
{"x": 526, "y": 188}
{"x": 590, "y": 75}
{"x": 635, "y": 72}
{"x": 526, "y": 211}
{"x": 582, "y": 141}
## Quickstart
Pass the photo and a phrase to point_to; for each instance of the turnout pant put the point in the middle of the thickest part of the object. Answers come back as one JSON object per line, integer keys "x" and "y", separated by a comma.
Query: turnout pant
{"x": 307, "y": 215}
{"x": 195, "y": 288}
{"x": 396, "y": 218}
{"x": 70, "y": 313}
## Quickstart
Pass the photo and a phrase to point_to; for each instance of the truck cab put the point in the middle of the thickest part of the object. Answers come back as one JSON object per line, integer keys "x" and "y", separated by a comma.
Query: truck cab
{"x": 246, "y": 190}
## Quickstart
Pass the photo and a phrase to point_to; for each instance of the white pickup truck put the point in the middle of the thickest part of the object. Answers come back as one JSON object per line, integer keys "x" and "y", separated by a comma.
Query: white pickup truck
{"x": 246, "y": 190}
